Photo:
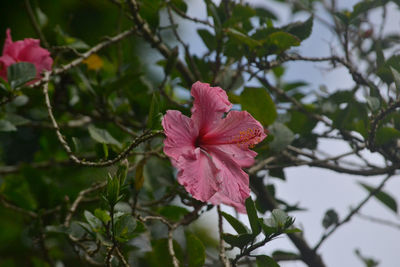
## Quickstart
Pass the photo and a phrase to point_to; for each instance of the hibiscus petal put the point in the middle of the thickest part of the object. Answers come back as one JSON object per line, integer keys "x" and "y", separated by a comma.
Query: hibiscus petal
{"x": 209, "y": 106}
{"x": 181, "y": 134}
{"x": 239, "y": 128}
{"x": 234, "y": 181}
{"x": 8, "y": 41}
{"x": 219, "y": 198}
{"x": 5, "y": 62}
{"x": 198, "y": 174}
{"x": 244, "y": 157}
{"x": 11, "y": 48}
{"x": 33, "y": 53}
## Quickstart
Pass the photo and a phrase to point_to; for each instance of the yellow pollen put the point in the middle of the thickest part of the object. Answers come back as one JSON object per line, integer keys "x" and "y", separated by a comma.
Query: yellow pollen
{"x": 247, "y": 138}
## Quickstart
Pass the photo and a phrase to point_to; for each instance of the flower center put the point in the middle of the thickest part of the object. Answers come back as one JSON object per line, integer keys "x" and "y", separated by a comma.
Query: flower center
{"x": 247, "y": 138}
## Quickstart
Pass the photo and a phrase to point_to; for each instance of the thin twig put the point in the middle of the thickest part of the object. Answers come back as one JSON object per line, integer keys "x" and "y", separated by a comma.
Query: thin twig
{"x": 11, "y": 206}
{"x": 156, "y": 42}
{"x": 144, "y": 137}
{"x": 375, "y": 122}
{"x": 84, "y": 56}
{"x": 79, "y": 199}
{"x": 121, "y": 257}
{"x": 35, "y": 23}
{"x": 222, "y": 254}
{"x": 171, "y": 251}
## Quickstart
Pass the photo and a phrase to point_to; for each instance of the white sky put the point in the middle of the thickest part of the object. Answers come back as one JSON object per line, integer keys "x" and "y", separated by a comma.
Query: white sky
{"x": 317, "y": 189}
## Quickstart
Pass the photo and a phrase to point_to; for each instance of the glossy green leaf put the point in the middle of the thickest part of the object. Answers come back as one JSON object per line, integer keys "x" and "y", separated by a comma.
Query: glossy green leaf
{"x": 259, "y": 104}
{"x": 41, "y": 17}
{"x": 174, "y": 213}
{"x": 235, "y": 223}
{"x": 6, "y": 126}
{"x": 396, "y": 78}
{"x": 243, "y": 38}
{"x": 383, "y": 197}
{"x": 301, "y": 123}
{"x": 385, "y": 71}
{"x": 125, "y": 227}
{"x": 94, "y": 222}
{"x": 180, "y": 4}
{"x": 278, "y": 42}
{"x": 160, "y": 255}
{"x": 103, "y": 215}
{"x": 263, "y": 13}
{"x": 283, "y": 136}
{"x": 195, "y": 250}
{"x": 330, "y": 218}
{"x": 208, "y": 39}
{"x": 103, "y": 136}
{"x": 20, "y": 73}
{"x": 154, "y": 118}
{"x": 385, "y": 135}
{"x": 280, "y": 217}
{"x": 265, "y": 261}
{"x": 300, "y": 29}
{"x": 239, "y": 241}
{"x": 365, "y": 6}
{"x": 253, "y": 217}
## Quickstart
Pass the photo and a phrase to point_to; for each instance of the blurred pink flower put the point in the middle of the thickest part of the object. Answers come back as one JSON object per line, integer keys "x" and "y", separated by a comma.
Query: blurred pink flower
{"x": 28, "y": 50}
{"x": 210, "y": 149}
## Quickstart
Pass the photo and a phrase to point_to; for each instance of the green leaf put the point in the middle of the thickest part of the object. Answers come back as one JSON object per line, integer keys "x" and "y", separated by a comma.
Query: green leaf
{"x": 283, "y": 136}
{"x": 385, "y": 135}
{"x": 103, "y": 136}
{"x": 373, "y": 103}
{"x": 364, "y": 6}
{"x": 239, "y": 241}
{"x": 383, "y": 197}
{"x": 265, "y": 261}
{"x": 161, "y": 256}
{"x": 20, "y": 73}
{"x": 154, "y": 119}
{"x": 243, "y": 38}
{"x": 300, "y": 29}
{"x": 280, "y": 217}
{"x": 102, "y": 215}
{"x": 139, "y": 177}
{"x": 6, "y": 126}
{"x": 285, "y": 254}
{"x": 112, "y": 194}
{"x": 174, "y": 213}
{"x": 300, "y": 123}
{"x": 330, "y": 218}
{"x": 15, "y": 119}
{"x": 263, "y": 13}
{"x": 125, "y": 228}
{"x": 278, "y": 42}
{"x": 259, "y": 104}
{"x": 94, "y": 222}
{"x": 396, "y": 77}
{"x": 268, "y": 227}
{"x": 208, "y": 39}
{"x": 235, "y": 223}
{"x": 180, "y": 4}
{"x": 385, "y": 71}
{"x": 41, "y": 17}
{"x": 195, "y": 250}
{"x": 253, "y": 218}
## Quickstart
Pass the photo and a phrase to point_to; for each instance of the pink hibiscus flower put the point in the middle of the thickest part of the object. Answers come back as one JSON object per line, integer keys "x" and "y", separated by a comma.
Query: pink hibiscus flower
{"x": 28, "y": 50}
{"x": 210, "y": 149}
